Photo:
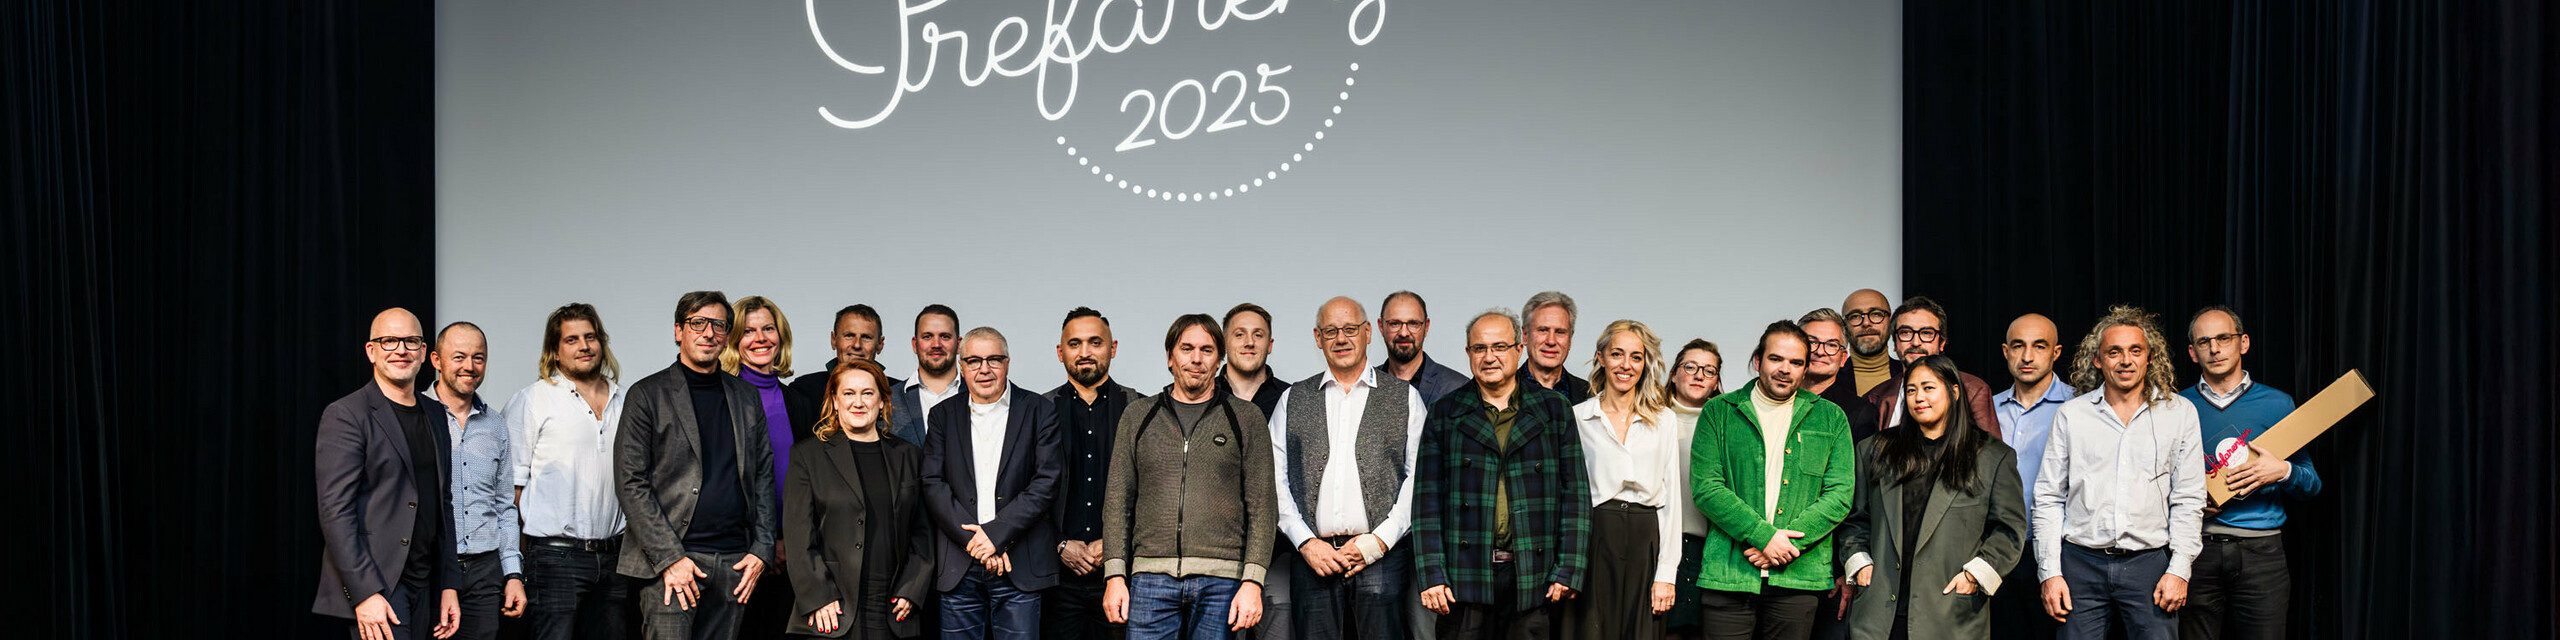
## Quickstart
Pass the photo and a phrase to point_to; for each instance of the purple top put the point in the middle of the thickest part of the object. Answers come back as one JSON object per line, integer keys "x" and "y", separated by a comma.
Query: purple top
{"x": 777, "y": 423}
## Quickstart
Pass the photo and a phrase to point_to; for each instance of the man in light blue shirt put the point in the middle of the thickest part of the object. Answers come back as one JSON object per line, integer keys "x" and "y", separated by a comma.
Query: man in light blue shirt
{"x": 484, "y": 506}
{"x": 2026, "y": 412}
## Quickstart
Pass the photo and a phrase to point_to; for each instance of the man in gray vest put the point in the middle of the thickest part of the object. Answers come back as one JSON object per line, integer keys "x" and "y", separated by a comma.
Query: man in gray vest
{"x": 1343, "y": 443}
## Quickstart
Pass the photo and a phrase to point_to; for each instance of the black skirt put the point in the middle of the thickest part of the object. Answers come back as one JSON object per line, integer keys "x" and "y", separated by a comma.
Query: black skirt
{"x": 1617, "y": 600}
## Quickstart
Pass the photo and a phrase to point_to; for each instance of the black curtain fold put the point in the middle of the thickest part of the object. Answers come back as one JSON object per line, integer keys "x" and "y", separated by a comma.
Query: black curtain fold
{"x": 208, "y": 201}
{"x": 2367, "y": 182}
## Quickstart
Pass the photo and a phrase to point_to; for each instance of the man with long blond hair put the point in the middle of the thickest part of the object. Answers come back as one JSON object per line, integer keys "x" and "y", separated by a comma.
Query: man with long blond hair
{"x": 2119, "y": 503}
{"x": 562, "y": 427}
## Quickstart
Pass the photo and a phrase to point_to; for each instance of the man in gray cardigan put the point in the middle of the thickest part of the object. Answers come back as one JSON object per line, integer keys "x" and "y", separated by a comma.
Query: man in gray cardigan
{"x": 1188, "y": 515}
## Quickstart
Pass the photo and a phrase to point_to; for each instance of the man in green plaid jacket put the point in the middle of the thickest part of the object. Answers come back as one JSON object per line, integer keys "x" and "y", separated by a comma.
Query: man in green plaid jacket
{"x": 1502, "y": 506}
{"x": 1772, "y": 468}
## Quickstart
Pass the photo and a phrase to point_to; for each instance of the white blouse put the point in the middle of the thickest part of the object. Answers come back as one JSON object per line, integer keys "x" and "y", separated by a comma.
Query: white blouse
{"x": 1649, "y": 469}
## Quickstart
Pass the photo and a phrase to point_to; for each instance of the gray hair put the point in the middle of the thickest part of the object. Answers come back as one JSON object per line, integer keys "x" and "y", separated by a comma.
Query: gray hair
{"x": 986, "y": 333}
{"x": 1823, "y": 314}
{"x": 1544, "y": 299}
{"x": 1496, "y": 312}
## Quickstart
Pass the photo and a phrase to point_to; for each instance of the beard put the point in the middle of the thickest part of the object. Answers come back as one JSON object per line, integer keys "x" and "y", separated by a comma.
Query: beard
{"x": 1404, "y": 352}
{"x": 1866, "y": 348}
{"x": 1088, "y": 376}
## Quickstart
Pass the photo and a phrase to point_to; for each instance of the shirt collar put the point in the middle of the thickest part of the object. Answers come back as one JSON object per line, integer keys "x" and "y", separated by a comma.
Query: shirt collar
{"x": 561, "y": 380}
{"x": 2054, "y": 391}
{"x": 1368, "y": 378}
{"x": 1004, "y": 402}
{"x": 479, "y": 401}
{"x": 2224, "y": 399}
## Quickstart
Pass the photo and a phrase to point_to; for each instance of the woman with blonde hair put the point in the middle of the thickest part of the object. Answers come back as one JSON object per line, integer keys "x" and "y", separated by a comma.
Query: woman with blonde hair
{"x": 1639, "y": 476}
{"x": 853, "y": 517}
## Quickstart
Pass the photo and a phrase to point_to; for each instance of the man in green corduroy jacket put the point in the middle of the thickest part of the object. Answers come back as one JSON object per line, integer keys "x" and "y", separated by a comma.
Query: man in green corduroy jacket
{"x": 1767, "y": 557}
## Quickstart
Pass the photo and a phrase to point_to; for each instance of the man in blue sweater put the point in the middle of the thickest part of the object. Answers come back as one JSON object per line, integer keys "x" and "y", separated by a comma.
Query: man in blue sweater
{"x": 2241, "y": 587}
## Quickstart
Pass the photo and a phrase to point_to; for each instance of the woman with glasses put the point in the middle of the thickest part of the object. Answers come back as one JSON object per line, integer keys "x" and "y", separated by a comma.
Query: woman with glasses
{"x": 1938, "y": 516}
{"x": 1696, "y": 375}
{"x": 852, "y": 517}
{"x": 759, "y": 352}
{"x": 1630, "y": 448}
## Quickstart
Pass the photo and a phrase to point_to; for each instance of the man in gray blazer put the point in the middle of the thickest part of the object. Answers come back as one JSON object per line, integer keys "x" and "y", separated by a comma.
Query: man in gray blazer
{"x": 383, "y": 485}
{"x": 694, "y": 474}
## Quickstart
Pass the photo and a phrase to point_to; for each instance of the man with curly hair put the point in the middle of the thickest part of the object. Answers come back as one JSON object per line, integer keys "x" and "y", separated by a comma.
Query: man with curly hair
{"x": 2119, "y": 504}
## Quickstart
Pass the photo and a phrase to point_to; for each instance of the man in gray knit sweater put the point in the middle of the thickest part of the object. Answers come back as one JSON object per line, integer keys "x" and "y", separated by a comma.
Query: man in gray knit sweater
{"x": 1189, "y": 513}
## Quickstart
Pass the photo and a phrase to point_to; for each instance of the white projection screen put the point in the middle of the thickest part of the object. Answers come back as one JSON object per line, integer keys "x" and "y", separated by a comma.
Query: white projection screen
{"x": 1703, "y": 166}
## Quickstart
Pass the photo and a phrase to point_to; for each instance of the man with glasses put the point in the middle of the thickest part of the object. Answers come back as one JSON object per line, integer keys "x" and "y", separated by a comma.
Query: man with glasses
{"x": 991, "y": 471}
{"x": 937, "y": 338}
{"x": 1502, "y": 511}
{"x": 1344, "y": 444}
{"x": 695, "y": 476}
{"x": 1826, "y": 361}
{"x": 1404, "y": 320}
{"x": 2242, "y": 588}
{"x": 562, "y": 427}
{"x": 386, "y": 534}
{"x": 1867, "y": 318}
{"x": 1920, "y": 331}
{"x": 856, "y": 336}
{"x": 1549, "y": 319}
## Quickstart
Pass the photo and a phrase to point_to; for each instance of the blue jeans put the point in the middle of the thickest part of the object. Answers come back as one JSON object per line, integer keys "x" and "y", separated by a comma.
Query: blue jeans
{"x": 986, "y": 605}
{"x": 2108, "y": 588}
{"x": 1163, "y": 607}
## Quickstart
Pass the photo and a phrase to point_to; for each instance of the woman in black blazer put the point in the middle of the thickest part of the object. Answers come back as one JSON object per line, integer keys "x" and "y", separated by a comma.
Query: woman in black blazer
{"x": 851, "y": 512}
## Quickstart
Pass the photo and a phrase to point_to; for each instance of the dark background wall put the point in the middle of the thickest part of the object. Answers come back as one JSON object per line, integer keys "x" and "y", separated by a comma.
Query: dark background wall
{"x": 2368, "y": 182}
{"x": 209, "y": 199}
{"x": 207, "y": 203}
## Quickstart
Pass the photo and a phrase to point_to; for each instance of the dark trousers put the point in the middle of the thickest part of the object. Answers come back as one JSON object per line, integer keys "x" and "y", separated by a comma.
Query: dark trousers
{"x": 768, "y": 610}
{"x": 985, "y": 605}
{"x": 573, "y": 593}
{"x": 1830, "y": 622}
{"x": 2017, "y": 611}
{"x": 2110, "y": 588}
{"x": 714, "y": 616}
{"x": 1775, "y": 613}
{"x": 1279, "y": 603}
{"x": 1616, "y": 601}
{"x": 1499, "y": 620}
{"x": 484, "y": 594}
{"x": 2242, "y": 589}
{"x": 1369, "y": 605}
{"x": 1073, "y": 610}
{"x": 415, "y": 606}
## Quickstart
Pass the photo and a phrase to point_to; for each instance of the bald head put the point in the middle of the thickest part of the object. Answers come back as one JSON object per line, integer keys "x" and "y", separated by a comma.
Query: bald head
{"x": 396, "y": 344}
{"x": 1869, "y": 314}
{"x": 2031, "y": 347}
{"x": 1342, "y": 331}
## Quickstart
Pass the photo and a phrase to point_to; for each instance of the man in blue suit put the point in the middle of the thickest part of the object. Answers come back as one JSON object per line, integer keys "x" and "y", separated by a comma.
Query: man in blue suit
{"x": 991, "y": 469}
{"x": 936, "y": 341}
{"x": 386, "y": 525}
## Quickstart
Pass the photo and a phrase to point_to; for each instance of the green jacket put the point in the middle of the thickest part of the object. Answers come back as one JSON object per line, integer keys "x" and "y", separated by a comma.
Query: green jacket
{"x": 1727, "y": 479}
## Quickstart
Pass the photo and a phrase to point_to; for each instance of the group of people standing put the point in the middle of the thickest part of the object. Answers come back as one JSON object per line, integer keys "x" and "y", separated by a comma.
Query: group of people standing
{"x": 725, "y": 496}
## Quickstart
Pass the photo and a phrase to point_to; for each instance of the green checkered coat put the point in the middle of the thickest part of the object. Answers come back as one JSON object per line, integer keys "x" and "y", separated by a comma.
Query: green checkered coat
{"x": 1453, "y": 492}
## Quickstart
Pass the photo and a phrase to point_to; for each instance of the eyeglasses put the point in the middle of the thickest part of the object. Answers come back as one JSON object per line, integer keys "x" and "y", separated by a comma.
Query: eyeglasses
{"x": 1481, "y": 349}
{"x": 1404, "y": 325}
{"x": 1870, "y": 316}
{"x": 1330, "y": 333}
{"x": 2226, "y": 340}
{"x": 1921, "y": 335}
{"x": 398, "y": 343}
{"x": 1827, "y": 347}
{"x": 1696, "y": 370}
{"x": 988, "y": 362}
{"x": 699, "y": 324}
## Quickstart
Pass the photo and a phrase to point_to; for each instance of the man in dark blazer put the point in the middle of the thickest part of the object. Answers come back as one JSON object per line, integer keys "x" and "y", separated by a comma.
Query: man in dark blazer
{"x": 991, "y": 469}
{"x": 385, "y": 496}
{"x": 693, "y": 469}
{"x": 937, "y": 349}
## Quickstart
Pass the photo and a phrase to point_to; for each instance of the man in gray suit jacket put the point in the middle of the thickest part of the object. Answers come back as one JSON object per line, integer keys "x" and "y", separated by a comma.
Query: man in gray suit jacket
{"x": 385, "y": 500}
{"x": 694, "y": 474}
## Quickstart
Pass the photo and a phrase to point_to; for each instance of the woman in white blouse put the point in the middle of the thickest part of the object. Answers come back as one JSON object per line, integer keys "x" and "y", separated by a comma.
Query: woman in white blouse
{"x": 1639, "y": 475}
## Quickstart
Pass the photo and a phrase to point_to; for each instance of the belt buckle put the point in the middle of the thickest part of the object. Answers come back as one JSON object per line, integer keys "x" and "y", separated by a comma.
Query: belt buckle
{"x": 1502, "y": 556}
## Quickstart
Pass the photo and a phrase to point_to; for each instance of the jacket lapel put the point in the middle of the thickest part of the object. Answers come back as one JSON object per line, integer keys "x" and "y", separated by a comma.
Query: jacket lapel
{"x": 1890, "y": 503}
{"x": 1936, "y": 510}
{"x": 840, "y": 457}
{"x": 387, "y": 423}
{"x": 1017, "y": 432}
{"x": 680, "y": 403}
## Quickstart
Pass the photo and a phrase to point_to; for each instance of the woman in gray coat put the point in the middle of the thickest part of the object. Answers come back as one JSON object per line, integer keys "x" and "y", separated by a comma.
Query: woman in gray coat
{"x": 1938, "y": 517}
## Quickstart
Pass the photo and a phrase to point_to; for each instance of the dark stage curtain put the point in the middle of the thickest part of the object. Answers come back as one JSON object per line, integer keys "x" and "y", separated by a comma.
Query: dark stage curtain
{"x": 2368, "y": 182}
{"x": 208, "y": 200}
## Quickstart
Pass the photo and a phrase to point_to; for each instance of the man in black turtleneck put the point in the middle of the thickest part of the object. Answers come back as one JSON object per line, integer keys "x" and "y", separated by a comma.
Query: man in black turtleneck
{"x": 695, "y": 479}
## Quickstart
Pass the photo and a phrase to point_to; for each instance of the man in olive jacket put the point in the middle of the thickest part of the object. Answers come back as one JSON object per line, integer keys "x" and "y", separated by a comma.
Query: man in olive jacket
{"x": 1767, "y": 559}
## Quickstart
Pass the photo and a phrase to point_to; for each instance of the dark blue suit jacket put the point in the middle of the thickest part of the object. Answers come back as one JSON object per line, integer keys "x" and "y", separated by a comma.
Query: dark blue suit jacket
{"x": 368, "y": 504}
{"x": 1026, "y": 488}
